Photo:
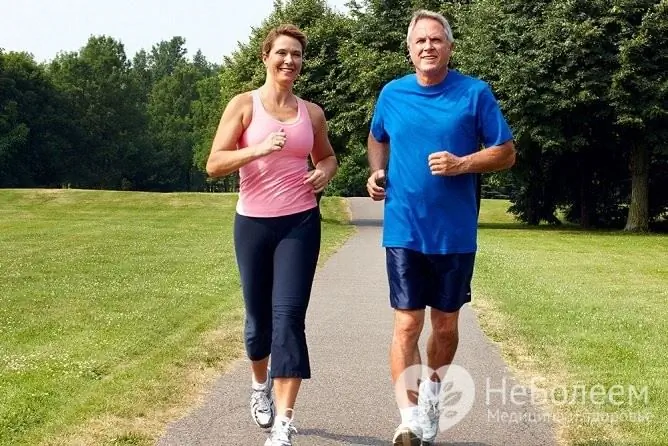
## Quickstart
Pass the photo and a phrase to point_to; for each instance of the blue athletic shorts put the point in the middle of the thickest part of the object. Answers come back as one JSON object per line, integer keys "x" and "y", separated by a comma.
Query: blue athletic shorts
{"x": 417, "y": 280}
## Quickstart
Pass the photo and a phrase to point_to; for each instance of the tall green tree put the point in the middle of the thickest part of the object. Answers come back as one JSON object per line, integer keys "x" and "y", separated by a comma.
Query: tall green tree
{"x": 206, "y": 111}
{"x": 105, "y": 106}
{"x": 553, "y": 65}
{"x": 166, "y": 56}
{"x": 34, "y": 126}
{"x": 172, "y": 128}
{"x": 639, "y": 93}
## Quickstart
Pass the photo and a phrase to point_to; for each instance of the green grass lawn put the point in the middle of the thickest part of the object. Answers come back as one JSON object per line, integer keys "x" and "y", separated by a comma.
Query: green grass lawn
{"x": 116, "y": 309}
{"x": 573, "y": 308}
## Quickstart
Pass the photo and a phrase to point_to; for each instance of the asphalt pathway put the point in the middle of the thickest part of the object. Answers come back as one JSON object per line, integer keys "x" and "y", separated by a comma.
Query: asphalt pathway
{"x": 350, "y": 399}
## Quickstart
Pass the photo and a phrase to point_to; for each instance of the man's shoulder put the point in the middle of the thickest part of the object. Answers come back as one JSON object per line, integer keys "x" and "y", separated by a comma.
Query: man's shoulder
{"x": 470, "y": 82}
{"x": 399, "y": 83}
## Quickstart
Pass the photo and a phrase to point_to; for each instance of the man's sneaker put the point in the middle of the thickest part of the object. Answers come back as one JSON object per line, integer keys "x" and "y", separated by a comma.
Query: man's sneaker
{"x": 262, "y": 405}
{"x": 428, "y": 414}
{"x": 407, "y": 436}
{"x": 281, "y": 433}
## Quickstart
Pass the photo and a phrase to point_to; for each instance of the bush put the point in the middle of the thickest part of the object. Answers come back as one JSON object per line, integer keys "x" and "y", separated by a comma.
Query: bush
{"x": 350, "y": 180}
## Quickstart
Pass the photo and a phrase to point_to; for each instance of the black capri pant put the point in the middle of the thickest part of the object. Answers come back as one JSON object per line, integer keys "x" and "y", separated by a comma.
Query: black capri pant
{"x": 277, "y": 257}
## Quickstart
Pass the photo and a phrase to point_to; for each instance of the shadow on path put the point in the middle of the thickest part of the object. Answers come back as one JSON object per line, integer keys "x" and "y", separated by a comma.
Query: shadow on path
{"x": 370, "y": 441}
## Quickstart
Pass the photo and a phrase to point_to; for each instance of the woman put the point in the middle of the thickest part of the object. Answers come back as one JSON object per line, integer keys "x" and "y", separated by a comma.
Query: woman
{"x": 268, "y": 134}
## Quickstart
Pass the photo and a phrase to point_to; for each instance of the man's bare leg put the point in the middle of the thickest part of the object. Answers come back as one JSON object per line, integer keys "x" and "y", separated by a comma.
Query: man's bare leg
{"x": 443, "y": 341}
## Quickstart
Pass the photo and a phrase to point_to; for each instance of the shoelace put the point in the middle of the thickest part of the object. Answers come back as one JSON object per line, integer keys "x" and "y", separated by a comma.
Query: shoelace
{"x": 431, "y": 409}
{"x": 260, "y": 401}
{"x": 282, "y": 432}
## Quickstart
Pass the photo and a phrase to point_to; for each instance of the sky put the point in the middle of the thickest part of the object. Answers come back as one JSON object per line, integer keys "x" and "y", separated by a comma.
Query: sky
{"x": 46, "y": 27}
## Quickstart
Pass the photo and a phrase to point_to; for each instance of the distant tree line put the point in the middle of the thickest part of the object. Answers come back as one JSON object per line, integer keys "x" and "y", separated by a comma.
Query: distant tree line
{"x": 583, "y": 84}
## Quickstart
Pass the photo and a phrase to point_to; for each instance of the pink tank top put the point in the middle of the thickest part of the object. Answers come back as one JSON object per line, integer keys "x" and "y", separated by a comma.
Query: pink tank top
{"x": 272, "y": 186}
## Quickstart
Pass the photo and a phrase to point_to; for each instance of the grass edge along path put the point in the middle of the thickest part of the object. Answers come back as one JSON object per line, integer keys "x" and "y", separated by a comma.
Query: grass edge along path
{"x": 91, "y": 271}
{"x": 580, "y": 316}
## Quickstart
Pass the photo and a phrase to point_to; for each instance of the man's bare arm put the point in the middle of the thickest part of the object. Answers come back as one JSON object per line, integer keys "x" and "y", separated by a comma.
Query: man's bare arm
{"x": 491, "y": 159}
{"x": 378, "y": 153}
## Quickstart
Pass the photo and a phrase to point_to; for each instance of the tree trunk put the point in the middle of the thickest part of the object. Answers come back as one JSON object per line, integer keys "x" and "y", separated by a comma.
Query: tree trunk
{"x": 638, "y": 218}
{"x": 533, "y": 207}
{"x": 536, "y": 187}
{"x": 585, "y": 205}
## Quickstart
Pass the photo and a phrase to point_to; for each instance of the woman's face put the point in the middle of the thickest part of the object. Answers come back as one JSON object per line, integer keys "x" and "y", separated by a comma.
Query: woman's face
{"x": 284, "y": 60}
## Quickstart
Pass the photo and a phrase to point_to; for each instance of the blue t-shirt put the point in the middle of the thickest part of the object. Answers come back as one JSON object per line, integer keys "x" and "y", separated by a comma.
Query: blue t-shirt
{"x": 429, "y": 213}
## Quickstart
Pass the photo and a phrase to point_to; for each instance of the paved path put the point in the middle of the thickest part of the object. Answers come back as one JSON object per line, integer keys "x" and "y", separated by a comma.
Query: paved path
{"x": 350, "y": 398}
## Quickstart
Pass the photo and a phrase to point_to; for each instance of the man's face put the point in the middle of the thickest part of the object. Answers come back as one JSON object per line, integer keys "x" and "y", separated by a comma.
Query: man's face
{"x": 429, "y": 47}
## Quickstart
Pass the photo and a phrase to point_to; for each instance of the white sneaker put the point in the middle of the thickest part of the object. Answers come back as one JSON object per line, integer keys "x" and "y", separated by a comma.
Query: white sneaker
{"x": 281, "y": 433}
{"x": 428, "y": 413}
{"x": 262, "y": 405}
{"x": 406, "y": 435}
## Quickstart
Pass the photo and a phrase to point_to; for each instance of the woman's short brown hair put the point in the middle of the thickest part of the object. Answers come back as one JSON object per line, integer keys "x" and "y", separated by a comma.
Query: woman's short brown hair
{"x": 283, "y": 30}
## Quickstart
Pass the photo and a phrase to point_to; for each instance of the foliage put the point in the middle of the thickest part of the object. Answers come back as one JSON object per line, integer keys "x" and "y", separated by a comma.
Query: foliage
{"x": 582, "y": 83}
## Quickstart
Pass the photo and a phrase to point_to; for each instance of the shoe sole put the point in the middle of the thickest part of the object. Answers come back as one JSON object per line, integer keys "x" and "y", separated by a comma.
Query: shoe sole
{"x": 407, "y": 439}
{"x": 427, "y": 442}
{"x": 265, "y": 426}
{"x": 270, "y": 423}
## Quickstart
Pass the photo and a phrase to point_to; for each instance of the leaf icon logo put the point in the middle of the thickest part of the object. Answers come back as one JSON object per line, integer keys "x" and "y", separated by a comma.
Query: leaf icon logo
{"x": 450, "y": 399}
{"x": 456, "y": 396}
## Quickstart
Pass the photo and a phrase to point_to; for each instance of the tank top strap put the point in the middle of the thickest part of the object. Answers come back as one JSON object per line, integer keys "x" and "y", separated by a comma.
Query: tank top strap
{"x": 303, "y": 111}
{"x": 258, "y": 108}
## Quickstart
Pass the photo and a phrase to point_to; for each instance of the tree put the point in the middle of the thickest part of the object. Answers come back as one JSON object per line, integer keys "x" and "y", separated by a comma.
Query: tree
{"x": 552, "y": 65}
{"x": 166, "y": 56}
{"x": 639, "y": 94}
{"x": 33, "y": 125}
{"x": 104, "y": 104}
{"x": 170, "y": 124}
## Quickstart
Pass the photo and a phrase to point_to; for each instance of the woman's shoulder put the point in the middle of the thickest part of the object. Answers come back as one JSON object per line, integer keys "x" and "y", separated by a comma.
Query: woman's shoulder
{"x": 242, "y": 100}
{"x": 315, "y": 112}
{"x": 241, "y": 106}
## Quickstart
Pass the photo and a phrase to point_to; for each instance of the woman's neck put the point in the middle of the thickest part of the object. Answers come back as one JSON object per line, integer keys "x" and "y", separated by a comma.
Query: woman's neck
{"x": 277, "y": 94}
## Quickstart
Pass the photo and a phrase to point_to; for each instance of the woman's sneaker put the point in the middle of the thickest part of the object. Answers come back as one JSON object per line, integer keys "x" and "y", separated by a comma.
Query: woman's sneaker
{"x": 281, "y": 433}
{"x": 262, "y": 404}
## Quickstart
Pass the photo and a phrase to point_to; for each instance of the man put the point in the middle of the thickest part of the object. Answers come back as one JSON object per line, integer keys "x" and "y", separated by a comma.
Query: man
{"x": 430, "y": 126}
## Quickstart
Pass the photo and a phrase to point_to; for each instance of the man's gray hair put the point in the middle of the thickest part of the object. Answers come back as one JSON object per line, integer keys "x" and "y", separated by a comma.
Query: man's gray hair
{"x": 424, "y": 14}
